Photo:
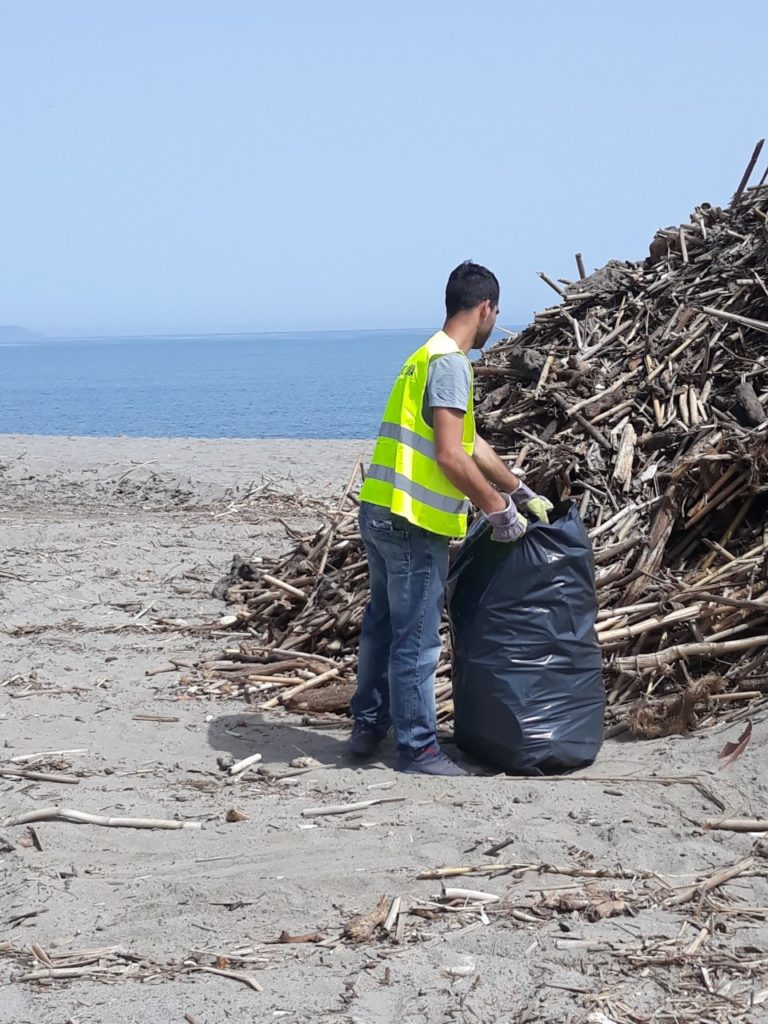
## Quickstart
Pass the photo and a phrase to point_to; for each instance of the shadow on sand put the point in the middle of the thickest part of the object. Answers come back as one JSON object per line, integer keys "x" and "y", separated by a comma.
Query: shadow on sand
{"x": 280, "y": 741}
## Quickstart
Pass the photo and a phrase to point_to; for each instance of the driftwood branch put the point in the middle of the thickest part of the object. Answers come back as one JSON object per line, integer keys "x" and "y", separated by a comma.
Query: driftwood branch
{"x": 26, "y": 773}
{"x": 738, "y": 824}
{"x": 362, "y": 927}
{"x": 691, "y": 892}
{"x": 246, "y": 979}
{"x": 360, "y": 805}
{"x": 84, "y": 818}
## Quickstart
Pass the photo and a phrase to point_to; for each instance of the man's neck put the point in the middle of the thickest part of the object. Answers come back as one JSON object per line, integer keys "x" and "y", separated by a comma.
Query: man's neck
{"x": 461, "y": 332}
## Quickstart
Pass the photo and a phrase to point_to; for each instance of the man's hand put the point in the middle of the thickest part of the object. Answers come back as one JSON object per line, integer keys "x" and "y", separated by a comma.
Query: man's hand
{"x": 508, "y": 525}
{"x": 535, "y": 504}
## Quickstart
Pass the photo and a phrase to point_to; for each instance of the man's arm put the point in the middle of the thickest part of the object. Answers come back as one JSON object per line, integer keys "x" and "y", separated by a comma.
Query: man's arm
{"x": 465, "y": 473}
{"x": 492, "y": 467}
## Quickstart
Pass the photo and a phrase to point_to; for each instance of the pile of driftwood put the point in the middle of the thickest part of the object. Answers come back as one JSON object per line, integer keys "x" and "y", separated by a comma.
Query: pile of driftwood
{"x": 642, "y": 397}
{"x": 303, "y": 613}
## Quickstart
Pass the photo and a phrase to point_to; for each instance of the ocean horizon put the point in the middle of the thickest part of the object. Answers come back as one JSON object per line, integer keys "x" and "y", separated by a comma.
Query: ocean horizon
{"x": 297, "y": 384}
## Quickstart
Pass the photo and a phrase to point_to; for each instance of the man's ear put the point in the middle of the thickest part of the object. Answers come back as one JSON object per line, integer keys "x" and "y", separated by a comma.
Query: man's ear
{"x": 485, "y": 309}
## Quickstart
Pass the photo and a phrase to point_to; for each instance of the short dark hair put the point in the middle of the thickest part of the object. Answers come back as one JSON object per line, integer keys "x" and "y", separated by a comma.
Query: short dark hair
{"x": 468, "y": 286}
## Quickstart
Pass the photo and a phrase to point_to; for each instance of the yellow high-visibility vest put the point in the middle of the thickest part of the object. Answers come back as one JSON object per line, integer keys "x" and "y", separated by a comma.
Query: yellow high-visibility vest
{"x": 404, "y": 475}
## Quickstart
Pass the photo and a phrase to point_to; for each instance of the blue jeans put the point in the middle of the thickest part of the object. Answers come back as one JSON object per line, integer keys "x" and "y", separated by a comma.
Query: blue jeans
{"x": 400, "y": 639}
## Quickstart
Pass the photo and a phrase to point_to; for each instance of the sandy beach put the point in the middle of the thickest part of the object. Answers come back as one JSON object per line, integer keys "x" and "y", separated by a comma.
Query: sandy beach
{"x": 109, "y": 549}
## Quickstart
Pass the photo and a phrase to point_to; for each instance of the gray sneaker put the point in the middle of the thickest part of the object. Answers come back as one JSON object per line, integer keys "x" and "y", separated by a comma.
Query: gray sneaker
{"x": 429, "y": 761}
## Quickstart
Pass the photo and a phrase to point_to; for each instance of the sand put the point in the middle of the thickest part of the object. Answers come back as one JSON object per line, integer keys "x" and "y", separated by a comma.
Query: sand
{"x": 102, "y": 537}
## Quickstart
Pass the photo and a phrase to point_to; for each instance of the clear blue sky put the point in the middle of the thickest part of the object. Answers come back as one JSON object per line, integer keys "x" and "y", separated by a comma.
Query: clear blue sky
{"x": 243, "y": 165}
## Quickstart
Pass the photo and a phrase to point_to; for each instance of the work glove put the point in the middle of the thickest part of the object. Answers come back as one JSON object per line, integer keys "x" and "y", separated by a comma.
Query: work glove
{"x": 508, "y": 525}
{"x": 534, "y": 504}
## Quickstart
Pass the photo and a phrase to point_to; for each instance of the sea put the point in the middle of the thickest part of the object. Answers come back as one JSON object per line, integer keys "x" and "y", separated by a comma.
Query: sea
{"x": 327, "y": 384}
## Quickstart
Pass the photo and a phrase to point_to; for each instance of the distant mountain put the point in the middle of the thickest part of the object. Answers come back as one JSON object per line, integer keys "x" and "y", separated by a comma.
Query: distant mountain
{"x": 10, "y": 332}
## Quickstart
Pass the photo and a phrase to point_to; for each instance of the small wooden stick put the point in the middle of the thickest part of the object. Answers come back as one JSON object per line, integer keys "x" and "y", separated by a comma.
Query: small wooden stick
{"x": 748, "y": 172}
{"x": 471, "y": 895}
{"x": 678, "y": 652}
{"x": 249, "y": 677}
{"x": 307, "y": 685}
{"x": 738, "y": 824}
{"x": 144, "y": 610}
{"x": 480, "y": 869}
{"x": 543, "y": 375}
{"x": 332, "y": 533}
{"x": 548, "y": 280}
{"x": 362, "y": 927}
{"x": 82, "y": 818}
{"x": 247, "y": 979}
{"x": 690, "y": 892}
{"x": 25, "y": 758}
{"x": 580, "y": 266}
{"x": 726, "y": 537}
{"x": 257, "y": 664}
{"x": 621, "y": 514}
{"x": 694, "y": 947}
{"x": 673, "y": 354}
{"x": 545, "y": 869}
{"x": 391, "y": 918}
{"x": 622, "y": 471}
{"x": 285, "y": 654}
{"x": 287, "y": 587}
{"x": 602, "y": 394}
{"x": 683, "y": 246}
{"x": 240, "y": 766}
{"x": 734, "y": 318}
{"x": 71, "y": 972}
{"x": 729, "y": 602}
{"x": 649, "y": 625}
{"x": 41, "y": 955}
{"x": 24, "y": 773}
{"x": 168, "y": 719}
{"x": 583, "y": 422}
{"x": 161, "y": 669}
{"x": 741, "y": 695}
{"x": 320, "y": 812}
{"x": 723, "y": 497}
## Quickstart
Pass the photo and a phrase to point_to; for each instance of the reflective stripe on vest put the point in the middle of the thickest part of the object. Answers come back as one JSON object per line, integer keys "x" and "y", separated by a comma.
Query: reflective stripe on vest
{"x": 397, "y": 432}
{"x": 422, "y": 494}
{"x": 404, "y": 475}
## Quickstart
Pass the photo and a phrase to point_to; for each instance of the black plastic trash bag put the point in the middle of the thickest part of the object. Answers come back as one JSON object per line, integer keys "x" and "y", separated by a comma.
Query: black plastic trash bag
{"x": 527, "y": 674}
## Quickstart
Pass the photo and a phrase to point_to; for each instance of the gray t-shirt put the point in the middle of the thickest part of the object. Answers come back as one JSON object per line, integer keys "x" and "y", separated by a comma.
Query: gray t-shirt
{"x": 449, "y": 381}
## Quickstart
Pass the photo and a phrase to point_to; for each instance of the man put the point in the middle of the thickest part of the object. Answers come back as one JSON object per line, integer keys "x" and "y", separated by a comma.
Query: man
{"x": 427, "y": 463}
